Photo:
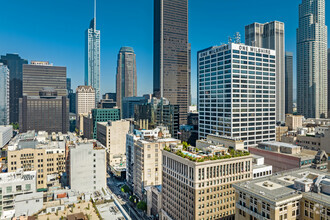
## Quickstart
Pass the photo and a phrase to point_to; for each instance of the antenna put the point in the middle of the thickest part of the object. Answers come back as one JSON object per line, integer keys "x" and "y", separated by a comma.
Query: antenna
{"x": 94, "y": 14}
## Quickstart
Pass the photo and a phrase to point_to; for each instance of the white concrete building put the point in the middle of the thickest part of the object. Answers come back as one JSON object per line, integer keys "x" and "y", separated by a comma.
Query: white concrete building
{"x": 271, "y": 35}
{"x": 85, "y": 99}
{"x": 237, "y": 92}
{"x": 87, "y": 170}
{"x": 259, "y": 168}
{"x": 6, "y": 133}
{"x": 19, "y": 187}
{"x": 312, "y": 60}
{"x": 112, "y": 135}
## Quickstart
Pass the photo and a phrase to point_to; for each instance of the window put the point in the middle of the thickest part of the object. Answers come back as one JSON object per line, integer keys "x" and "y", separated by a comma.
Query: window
{"x": 9, "y": 189}
{"x": 28, "y": 187}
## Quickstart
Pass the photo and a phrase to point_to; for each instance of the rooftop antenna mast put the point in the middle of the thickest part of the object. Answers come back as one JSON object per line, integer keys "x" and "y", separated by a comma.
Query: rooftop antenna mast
{"x": 94, "y": 14}
{"x": 237, "y": 38}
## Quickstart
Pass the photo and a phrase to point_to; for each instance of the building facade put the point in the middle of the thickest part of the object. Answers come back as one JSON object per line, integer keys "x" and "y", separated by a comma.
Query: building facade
{"x": 296, "y": 194}
{"x": 237, "y": 92}
{"x": 126, "y": 85}
{"x": 312, "y": 45}
{"x": 4, "y": 95}
{"x": 85, "y": 99}
{"x": 15, "y": 65}
{"x": 293, "y": 122}
{"x": 128, "y": 105}
{"x": 39, "y": 75}
{"x": 172, "y": 53}
{"x": 6, "y": 133}
{"x": 103, "y": 115}
{"x": 87, "y": 168}
{"x": 112, "y": 135}
{"x": 288, "y": 83}
{"x": 200, "y": 188}
{"x": 93, "y": 57}
{"x": 271, "y": 36}
{"x": 45, "y": 112}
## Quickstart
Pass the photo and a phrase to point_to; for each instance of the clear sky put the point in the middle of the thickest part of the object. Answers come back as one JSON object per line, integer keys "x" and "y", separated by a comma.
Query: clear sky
{"x": 54, "y": 30}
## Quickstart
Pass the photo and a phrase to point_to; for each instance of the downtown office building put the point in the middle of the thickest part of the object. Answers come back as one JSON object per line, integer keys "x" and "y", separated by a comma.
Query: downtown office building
{"x": 312, "y": 75}
{"x": 237, "y": 92}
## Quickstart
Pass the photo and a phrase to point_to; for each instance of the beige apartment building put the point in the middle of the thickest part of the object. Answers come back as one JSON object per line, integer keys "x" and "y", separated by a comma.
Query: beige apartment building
{"x": 298, "y": 194}
{"x": 147, "y": 169}
{"x": 112, "y": 135}
{"x": 46, "y": 161}
{"x": 199, "y": 186}
{"x": 293, "y": 122}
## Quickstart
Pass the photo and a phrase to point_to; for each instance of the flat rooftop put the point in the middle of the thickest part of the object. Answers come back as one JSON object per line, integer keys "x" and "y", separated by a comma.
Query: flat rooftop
{"x": 280, "y": 187}
{"x": 5, "y": 128}
{"x": 279, "y": 144}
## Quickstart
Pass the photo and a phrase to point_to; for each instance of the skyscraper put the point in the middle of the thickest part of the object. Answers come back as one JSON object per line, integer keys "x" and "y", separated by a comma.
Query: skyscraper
{"x": 312, "y": 79}
{"x": 126, "y": 85}
{"x": 171, "y": 53}
{"x": 4, "y": 95}
{"x": 288, "y": 83}
{"x": 38, "y": 75}
{"x": 236, "y": 95}
{"x": 271, "y": 36}
{"x": 328, "y": 83}
{"x": 15, "y": 65}
{"x": 85, "y": 100}
{"x": 92, "y": 56}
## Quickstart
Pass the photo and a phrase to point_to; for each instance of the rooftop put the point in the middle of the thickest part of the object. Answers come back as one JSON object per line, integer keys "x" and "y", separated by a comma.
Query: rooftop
{"x": 17, "y": 176}
{"x": 280, "y": 187}
{"x": 5, "y": 128}
{"x": 279, "y": 144}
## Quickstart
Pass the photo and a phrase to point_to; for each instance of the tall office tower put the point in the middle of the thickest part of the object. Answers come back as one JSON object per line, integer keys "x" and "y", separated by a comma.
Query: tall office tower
{"x": 38, "y": 75}
{"x": 126, "y": 85}
{"x": 85, "y": 99}
{"x": 271, "y": 36}
{"x": 68, "y": 86}
{"x": 237, "y": 92}
{"x": 312, "y": 79}
{"x": 15, "y": 65}
{"x": 46, "y": 112}
{"x": 4, "y": 95}
{"x": 200, "y": 187}
{"x": 288, "y": 83}
{"x": 92, "y": 57}
{"x": 328, "y": 83}
{"x": 171, "y": 54}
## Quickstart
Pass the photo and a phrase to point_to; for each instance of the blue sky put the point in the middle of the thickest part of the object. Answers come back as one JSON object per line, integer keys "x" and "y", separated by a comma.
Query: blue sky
{"x": 54, "y": 31}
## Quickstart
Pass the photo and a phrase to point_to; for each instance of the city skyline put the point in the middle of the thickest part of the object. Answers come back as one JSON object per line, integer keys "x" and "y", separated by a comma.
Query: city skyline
{"x": 43, "y": 43}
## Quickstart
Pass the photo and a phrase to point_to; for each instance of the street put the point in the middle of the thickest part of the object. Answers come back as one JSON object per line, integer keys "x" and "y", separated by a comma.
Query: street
{"x": 114, "y": 186}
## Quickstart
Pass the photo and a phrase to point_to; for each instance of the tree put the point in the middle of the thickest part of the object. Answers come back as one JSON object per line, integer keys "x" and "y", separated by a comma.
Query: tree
{"x": 15, "y": 126}
{"x": 142, "y": 206}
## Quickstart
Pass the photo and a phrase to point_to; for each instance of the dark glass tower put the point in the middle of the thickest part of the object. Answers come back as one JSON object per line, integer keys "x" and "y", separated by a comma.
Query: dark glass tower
{"x": 288, "y": 83}
{"x": 15, "y": 65}
{"x": 171, "y": 53}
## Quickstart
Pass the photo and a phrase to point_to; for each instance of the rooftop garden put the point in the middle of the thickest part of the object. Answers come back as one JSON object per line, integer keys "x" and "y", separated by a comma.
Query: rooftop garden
{"x": 200, "y": 156}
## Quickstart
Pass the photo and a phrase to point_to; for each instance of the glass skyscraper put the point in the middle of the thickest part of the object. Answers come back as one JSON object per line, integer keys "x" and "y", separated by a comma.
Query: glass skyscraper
{"x": 288, "y": 83}
{"x": 126, "y": 75}
{"x": 15, "y": 65}
{"x": 312, "y": 79}
{"x": 171, "y": 53}
{"x": 92, "y": 58}
{"x": 4, "y": 95}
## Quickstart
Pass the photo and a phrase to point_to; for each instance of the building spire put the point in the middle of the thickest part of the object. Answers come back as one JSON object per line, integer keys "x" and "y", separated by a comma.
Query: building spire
{"x": 94, "y": 14}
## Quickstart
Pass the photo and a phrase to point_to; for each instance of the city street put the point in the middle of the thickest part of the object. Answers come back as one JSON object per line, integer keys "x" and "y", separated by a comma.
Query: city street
{"x": 114, "y": 186}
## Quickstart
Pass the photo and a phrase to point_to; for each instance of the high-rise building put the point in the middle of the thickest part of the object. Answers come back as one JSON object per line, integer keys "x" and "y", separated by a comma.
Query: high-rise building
{"x": 199, "y": 186}
{"x": 328, "y": 83}
{"x": 112, "y": 135}
{"x": 72, "y": 100}
{"x": 237, "y": 92}
{"x": 85, "y": 99}
{"x": 4, "y": 95}
{"x": 126, "y": 75}
{"x": 45, "y": 112}
{"x": 38, "y": 75}
{"x": 103, "y": 115}
{"x": 68, "y": 86}
{"x": 312, "y": 79}
{"x": 171, "y": 53}
{"x": 271, "y": 36}
{"x": 92, "y": 56}
{"x": 155, "y": 113}
{"x": 15, "y": 65}
{"x": 129, "y": 103}
{"x": 288, "y": 83}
